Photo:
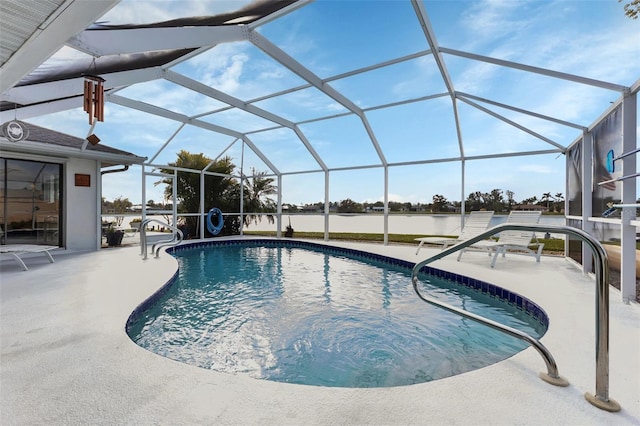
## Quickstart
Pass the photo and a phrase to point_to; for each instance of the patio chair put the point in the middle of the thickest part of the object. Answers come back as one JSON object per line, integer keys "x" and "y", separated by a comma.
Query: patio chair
{"x": 515, "y": 241}
{"x": 477, "y": 222}
{"x": 16, "y": 250}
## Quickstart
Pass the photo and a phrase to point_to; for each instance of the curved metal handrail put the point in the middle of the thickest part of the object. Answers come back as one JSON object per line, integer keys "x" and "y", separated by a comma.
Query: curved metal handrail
{"x": 176, "y": 238}
{"x": 601, "y": 398}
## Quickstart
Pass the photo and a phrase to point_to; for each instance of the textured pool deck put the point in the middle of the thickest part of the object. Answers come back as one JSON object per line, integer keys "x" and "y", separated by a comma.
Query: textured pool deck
{"x": 66, "y": 358}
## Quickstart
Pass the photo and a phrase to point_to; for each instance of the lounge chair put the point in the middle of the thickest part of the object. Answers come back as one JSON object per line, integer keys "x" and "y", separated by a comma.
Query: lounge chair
{"x": 477, "y": 222}
{"x": 512, "y": 240}
{"x": 16, "y": 250}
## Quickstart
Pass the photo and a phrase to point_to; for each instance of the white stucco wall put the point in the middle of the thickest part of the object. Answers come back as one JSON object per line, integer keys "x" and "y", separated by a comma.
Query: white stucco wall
{"x": 81, "y": 215}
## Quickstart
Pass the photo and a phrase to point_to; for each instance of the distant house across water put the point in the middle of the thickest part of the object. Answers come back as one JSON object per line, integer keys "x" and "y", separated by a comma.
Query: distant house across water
{"x": 531, "y": 208}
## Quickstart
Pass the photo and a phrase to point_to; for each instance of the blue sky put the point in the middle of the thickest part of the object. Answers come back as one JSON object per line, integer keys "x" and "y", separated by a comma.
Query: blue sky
{"x": 588, "y": 38}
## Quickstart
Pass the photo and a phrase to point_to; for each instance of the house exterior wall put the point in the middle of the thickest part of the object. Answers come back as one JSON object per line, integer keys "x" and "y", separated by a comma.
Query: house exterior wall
{"x": 80, "y": 214}
{"x": 81, "y": 205}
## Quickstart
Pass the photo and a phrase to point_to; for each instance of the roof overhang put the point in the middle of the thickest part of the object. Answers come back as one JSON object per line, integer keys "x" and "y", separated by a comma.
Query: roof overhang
{"x": 41, "y": 32}
{"x": 62, "y": 152}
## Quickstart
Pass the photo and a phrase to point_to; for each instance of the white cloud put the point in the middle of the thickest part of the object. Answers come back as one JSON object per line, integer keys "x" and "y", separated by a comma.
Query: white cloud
{"x": 227, "y": 78}
{"x": 146, "y": 11}
{"x": 491, "y": 20}
{"x": 543, "y": 34}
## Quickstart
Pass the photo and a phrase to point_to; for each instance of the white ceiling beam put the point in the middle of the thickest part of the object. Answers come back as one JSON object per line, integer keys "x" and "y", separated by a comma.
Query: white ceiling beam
{"x": 516, "y": 154}
{"x": 71, "y": 18}
{"x": 456, "y": 117}
{"x": 238, "y": 103}
{"x": 333, "y": 78}
{"x": 635, "y": 87}
{"x": 40, "y": 109}
{"x": 260, "y": 155}
{"x": 346, "y": 114}
{"x": 213, "y": 93}
{"x": 336, "y": 77}
{"x": 520, "y": 110}
{"x": 379, "y": 65}
{"x": 187, "y": 56}
{"x": 42, "y": 92}
{"x": 477, "y": 157}
{"x": 430, "y": 35}
{"x": 126, "y": 41}
{"x": 167, "y": 142}
{"x": 513, "y": 123}
{"x": 442, "y": 160}
{"x": 283, "y": 58}
{"x": 162, "y": 112}
{"x": 538, "y": 70}
{"x": 435, "y": 161}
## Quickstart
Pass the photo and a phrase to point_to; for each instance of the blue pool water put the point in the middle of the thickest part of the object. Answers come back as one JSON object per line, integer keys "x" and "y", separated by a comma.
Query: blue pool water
{"x": 302, "y": 314}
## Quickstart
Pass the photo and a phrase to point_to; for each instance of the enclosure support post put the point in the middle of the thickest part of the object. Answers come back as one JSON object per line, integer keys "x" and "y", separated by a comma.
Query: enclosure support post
{"x": 462, "y": 204}
{"x": 242, "y": 189}
{"x": 628, "y": 231}
{"x": 326, "y": 205}
{"x": 587, "y": 202}
{"x": 99, "y": 205}
{"x": 386, "y": 205}
{"x": 279, "y": 208}
{"x": 174, "y": 198}
{"x": 144, "y": 193}
{"x": 201, "y": 218}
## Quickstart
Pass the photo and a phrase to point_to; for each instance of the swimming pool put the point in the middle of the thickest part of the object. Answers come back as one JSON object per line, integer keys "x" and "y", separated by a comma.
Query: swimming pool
{"x": 307, "y": 313}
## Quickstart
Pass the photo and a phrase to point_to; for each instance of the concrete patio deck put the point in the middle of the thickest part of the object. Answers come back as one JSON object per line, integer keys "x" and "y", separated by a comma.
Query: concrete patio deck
{"x": 66, "y": 358}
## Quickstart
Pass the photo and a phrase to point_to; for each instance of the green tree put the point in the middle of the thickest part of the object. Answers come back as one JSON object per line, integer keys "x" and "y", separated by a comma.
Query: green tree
{"x": 257, "y": 190}
{"x": 495, "y": 200}
{"x": 394, "y": 206}
{"x": 475, "y": 201}
{"x": 546, "y": 197}
{"x": 220, "y": 191}
{"x": 439, "y": 203}
{"x": 119, "y": 206}
{"x": 510, "y": 200}
{"x": 631, "y": 8}
{"x": 349, "y": 206}
{"x": 559, "y": 202}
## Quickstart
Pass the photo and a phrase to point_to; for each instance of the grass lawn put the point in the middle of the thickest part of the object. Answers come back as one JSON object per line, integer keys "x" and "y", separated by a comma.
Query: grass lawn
{"x": 551, "y": 245}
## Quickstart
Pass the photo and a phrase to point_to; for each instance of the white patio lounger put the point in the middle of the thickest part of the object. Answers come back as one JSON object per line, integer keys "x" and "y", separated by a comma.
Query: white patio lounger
{"x": 512, "y": 240}
{"x": 16, "y": 250}
{"x": 477, "y": 222}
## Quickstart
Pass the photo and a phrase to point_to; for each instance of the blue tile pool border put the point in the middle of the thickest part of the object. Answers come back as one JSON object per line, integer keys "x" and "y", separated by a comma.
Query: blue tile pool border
{"x": 483, "y": 287}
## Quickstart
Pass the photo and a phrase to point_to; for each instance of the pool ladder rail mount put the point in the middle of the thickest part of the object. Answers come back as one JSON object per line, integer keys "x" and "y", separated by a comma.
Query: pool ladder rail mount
{"x": 601, "y": 398}
{"x": 176, "y": 238}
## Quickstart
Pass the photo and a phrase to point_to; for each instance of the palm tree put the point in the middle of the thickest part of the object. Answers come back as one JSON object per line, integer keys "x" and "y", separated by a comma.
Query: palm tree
{"x": 221, "y": 192}
{"x": 546, "y": 197}
{"x": 256, "y": 197}
{"x": 559, "y": 200}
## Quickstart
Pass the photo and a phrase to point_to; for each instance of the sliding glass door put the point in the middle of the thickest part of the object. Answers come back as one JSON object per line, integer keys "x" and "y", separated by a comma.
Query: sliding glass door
{"x": 30, "y": 197}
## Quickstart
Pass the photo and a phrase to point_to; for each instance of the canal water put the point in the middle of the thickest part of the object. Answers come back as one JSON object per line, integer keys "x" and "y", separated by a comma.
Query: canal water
{"x": 422, "y": 224}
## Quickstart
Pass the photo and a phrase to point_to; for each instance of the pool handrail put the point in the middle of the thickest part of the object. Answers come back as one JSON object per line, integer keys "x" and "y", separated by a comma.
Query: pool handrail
{"x": 176, "y": 238}
{"x": 601, "y": 398}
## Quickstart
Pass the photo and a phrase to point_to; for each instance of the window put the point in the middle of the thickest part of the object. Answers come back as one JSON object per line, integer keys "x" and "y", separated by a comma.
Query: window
{"x": 30, "y": 195}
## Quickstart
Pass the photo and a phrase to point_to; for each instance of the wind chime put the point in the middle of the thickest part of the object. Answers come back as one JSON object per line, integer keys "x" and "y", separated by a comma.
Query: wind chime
{"x": 94, "y": 97}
